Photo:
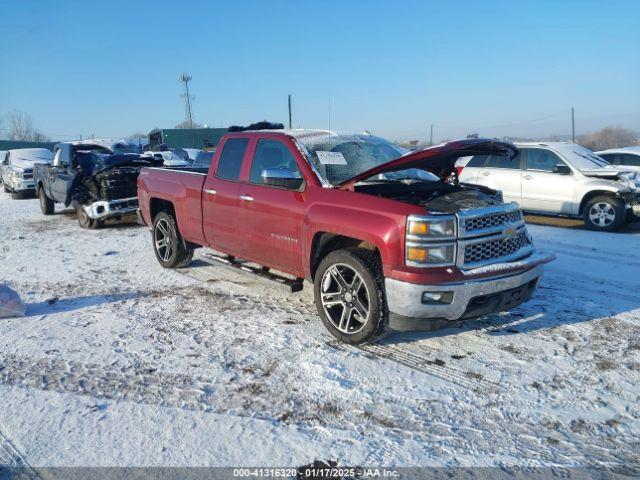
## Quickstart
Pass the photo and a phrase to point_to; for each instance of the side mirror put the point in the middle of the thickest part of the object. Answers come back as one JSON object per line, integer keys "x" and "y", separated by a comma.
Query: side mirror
{"x": 562, "y": 169}
{"x": 282, "y": 177}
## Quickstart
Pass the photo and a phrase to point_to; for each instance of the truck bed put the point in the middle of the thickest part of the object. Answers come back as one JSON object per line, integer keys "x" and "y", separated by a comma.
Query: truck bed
{"x": 182, "y": 186}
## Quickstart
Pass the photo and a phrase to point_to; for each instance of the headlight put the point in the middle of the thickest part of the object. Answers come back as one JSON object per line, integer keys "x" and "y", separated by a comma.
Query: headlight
{"x": 430, "y": 241}
{"x": 431, "y": 228}
{"x": 421, "y": 255}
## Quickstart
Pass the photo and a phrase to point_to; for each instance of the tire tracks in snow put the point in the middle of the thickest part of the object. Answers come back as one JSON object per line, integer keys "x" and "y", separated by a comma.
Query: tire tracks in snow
{"x": 377, "y": 350}
{"x": 421, "y": 364}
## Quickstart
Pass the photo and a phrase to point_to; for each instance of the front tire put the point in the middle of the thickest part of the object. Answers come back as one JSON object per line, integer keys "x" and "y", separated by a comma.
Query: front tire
{"x": 604, "y": 213}
{"x": 85, "y": 221}
{"x": 349, "y": 295}
{"x": 46, "y": 204}
{"x": 170, "y": 248}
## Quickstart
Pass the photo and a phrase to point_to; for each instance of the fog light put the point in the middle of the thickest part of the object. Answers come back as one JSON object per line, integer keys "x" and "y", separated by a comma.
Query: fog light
{"x": 437, "y": 297}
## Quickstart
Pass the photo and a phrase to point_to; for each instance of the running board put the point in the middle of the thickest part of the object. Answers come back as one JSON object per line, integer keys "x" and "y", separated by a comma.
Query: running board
{"x": 237, "y": 265}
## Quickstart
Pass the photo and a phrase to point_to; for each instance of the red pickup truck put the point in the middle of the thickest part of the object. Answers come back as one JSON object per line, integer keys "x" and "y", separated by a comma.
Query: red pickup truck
{"x": 389, "y": 238}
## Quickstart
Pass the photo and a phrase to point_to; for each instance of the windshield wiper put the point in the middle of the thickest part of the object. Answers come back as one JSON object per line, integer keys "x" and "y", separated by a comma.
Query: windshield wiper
{"x": 597, "y": 161}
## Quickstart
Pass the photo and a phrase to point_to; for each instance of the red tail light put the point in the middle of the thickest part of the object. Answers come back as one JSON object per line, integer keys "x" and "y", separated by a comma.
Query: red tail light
{"x": 459, "y": 170}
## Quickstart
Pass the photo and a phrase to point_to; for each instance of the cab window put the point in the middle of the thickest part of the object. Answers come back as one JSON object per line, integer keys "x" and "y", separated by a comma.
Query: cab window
{"x": 271, "y": 154}
{"x": 542, "y": 160}
{"x": 56, "y": 158}
{"x": 503, "y": 161}
{"x": 230, "y": 161}
{"x": 477, "y": 161}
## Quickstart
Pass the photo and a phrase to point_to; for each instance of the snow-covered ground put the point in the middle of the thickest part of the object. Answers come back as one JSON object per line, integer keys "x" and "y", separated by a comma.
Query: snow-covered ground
{"x": 120, "y": 362}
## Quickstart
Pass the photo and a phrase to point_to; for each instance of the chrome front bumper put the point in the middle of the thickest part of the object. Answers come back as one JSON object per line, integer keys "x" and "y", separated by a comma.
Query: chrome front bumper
{"x": 405, "y": 299}
{"x": 22, "y": 186}
{"x": 104, "y": 209}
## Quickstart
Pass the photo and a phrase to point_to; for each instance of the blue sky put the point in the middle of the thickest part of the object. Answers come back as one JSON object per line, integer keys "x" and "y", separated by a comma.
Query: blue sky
{"x": 499, "y": 68}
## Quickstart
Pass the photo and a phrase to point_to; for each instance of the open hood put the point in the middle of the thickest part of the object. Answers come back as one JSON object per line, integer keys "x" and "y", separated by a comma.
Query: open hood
{"x": 608, "y": 172}
{"x": 93, "y": 163}
{"x": 439, "y": 160}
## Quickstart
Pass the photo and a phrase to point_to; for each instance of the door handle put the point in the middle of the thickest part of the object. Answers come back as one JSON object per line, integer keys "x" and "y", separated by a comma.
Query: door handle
{"x": 527, "y": 177}
{"x": 209, "y": 191}
{"x": 247, "y": 198}
{"x": 486, "y": 174}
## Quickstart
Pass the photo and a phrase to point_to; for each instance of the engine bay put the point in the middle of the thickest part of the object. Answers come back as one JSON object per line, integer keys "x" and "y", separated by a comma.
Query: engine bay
{"x": 437, "y": 197}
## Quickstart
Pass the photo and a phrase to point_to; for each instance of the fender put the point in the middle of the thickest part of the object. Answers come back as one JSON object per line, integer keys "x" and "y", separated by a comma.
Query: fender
{"x": 383, "y": 230}
{"x": 598, "y": 187}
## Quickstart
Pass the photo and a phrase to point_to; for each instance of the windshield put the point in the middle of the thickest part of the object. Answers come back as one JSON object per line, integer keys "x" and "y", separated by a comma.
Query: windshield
{"x": 33, "y": 155}
{"x": 582, "y": 158}
{"x": 338, "y": 158}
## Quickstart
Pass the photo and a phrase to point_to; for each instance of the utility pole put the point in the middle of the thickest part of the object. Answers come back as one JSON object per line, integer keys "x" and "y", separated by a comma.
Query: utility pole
{"x": 573, "y": 126}
{"x": 431, "y": 136}
{"x": 186, "y": 78}
{"x": 290, "y": 123}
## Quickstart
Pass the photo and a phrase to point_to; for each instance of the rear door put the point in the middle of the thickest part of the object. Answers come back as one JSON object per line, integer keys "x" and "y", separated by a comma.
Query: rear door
{"x": 220, "y": 197}
{"x": 505, "y": 174}
{"x": 543, "y": 190}
{"x": 271, "y": 219}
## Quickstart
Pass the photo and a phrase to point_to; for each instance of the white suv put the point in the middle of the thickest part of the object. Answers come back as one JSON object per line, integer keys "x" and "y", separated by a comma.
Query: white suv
{"x": 559, "y": 178}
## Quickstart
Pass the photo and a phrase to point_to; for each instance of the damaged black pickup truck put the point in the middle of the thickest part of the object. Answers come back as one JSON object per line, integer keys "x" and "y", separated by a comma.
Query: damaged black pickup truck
{"x": 98, "y": 182}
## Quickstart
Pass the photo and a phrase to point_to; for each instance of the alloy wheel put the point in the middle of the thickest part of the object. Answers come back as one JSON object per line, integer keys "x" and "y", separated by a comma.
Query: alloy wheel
{"x": 164, "y": 240}
{"x": 345, "y": 298}
{"x": 602, "y": 214}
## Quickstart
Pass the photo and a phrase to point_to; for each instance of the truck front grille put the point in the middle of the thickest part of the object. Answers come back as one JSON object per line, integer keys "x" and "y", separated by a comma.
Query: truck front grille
{"x": 490, "y": 235}
{"x": 496, "y": 248}
{"x": 492, "y": 220}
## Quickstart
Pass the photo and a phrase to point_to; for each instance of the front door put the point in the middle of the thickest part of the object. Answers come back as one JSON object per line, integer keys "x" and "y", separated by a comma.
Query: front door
{"x": 272, "y": 217}
{"x": 546, "y": 185}
{"x": 58, "y": 174}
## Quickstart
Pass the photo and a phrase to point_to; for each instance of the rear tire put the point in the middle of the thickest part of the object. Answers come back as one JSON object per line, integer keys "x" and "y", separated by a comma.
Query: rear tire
{"x": 46, "y": 204}
{"x": 17, "y": 195}
{"x": 349, "y": 295}
{"x": 85, "y": 221}
{"x": 604, "y": 213}
{"x": 170, "y": 248}
{"x": 6, "y": 189}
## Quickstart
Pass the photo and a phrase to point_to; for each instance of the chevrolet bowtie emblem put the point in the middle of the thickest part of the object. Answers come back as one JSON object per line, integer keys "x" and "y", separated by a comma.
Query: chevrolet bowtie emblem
{"x": 510, "y": 232}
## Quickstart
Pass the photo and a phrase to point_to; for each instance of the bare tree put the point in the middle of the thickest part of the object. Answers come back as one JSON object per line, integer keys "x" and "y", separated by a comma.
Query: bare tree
{"x": 609, "y": 137}
{"x": 20, "y": 127}
{"x": 136, "y": 135}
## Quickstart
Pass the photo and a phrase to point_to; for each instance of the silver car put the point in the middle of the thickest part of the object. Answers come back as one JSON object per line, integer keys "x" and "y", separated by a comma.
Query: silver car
{"x": 16, "y": 169}
{"x": 559, "y": 178}
{"x": 627, "y": 158}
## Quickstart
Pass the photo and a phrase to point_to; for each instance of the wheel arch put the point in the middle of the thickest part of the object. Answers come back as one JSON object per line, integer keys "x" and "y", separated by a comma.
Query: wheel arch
{"x": 325, "y": 242}
{"x": 157, "y": 205}
{"x": 595, "y": 193}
